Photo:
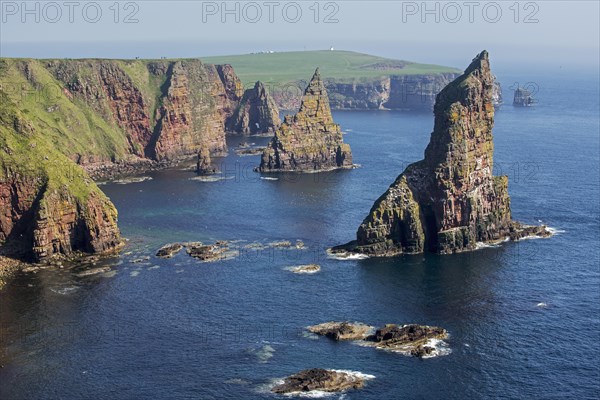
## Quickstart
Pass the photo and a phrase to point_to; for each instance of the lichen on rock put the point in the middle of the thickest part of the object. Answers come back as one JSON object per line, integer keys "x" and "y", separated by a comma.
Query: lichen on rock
{"x": 450, "y": 200}
{"x": 309, "y": 140}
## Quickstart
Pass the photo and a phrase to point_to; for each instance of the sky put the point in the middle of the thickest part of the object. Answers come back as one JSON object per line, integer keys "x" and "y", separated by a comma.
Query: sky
{"x": 445, "y": 32}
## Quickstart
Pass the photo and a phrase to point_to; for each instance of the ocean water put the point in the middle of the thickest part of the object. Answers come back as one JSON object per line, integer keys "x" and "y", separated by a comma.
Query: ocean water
{"x": 523, "y": 317}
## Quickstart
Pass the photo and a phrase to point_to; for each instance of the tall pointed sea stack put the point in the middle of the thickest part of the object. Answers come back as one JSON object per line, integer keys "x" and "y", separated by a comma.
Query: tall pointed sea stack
{"x": 309, "y": 140}
{"x": 450, "y": 200}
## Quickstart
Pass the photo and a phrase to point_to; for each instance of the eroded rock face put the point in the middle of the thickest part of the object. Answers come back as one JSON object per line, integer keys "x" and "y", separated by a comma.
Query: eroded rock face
{"x": 39, "y": 222}
{"x": 450, "y": 200}
{"x": 319, "y": 379}
{"x": 257, "y": 113}
{"x": 309, "y": 140}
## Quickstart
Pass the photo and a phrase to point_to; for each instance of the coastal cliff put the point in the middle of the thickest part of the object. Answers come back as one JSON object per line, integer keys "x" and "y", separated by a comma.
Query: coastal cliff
{"x": 308, "y": 140}
{"x": 49, "y": 204}
{"x": 63, "y": 122}
{"x": 450, "y": 200}
{"x": 256, "y": 113}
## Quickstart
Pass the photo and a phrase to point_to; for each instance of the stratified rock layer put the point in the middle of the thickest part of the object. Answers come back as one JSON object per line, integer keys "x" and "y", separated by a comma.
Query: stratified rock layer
{"x": 309, "y": 140}
{"x": 450, "y": 200}
{"x": 257, "y": 113}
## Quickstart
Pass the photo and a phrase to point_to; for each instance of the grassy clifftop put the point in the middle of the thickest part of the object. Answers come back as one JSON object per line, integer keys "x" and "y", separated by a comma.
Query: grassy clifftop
{"x": 343, "y": 65}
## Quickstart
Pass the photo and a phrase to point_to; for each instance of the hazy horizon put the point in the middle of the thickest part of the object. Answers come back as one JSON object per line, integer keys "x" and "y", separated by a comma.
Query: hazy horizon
{"x": 549, "y": 33}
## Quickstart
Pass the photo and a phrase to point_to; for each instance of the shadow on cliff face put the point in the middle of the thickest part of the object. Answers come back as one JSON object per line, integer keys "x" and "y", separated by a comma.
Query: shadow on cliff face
{"x": 19, "y": 241}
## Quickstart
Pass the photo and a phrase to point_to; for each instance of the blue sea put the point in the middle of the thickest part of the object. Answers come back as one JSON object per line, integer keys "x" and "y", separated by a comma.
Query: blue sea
{"x": 523, "y": 318}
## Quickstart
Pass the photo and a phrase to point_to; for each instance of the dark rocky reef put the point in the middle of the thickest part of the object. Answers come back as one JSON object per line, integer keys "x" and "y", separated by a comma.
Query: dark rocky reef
{"x": 257, "y": 113}
{"x": 319, "y": 379}
{"x": 450, "y": 200}
{"x": 309, "y": 140}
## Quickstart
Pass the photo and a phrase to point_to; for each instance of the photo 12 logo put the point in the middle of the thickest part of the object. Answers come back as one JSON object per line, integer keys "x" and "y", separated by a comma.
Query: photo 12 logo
{"x": 53, "y": 12}
{"x": 253, "y": 12}
{"x": 470, "y": 11}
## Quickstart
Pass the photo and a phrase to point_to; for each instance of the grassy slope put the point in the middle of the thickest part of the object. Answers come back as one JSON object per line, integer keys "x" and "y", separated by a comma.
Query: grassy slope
{"x": 293, "y": 66}
{"x": 73, "y": 126}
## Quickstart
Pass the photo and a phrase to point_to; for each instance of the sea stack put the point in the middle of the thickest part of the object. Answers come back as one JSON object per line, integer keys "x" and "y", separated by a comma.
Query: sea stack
{"x": 257, "y": 113}
{"x": 450, "y": 200}
{"x": 204, "y": 164}
{"x": 308, "y": 141}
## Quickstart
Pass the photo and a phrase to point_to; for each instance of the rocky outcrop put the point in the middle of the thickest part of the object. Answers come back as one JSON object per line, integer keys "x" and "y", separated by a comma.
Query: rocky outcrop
{"x": 257, "y": 113}
{"x": 309, "y": 140}
{"x": 523, "y": 98}
{"x": 342, "y": 330}
{"x": 450, "y": 200}
{"x": 169, "y": 250}
{"x": 204, "y": 165}
{"x": 318, "y": 379}
{"x": 414, "y": 340}
{"x": 410, "y": 337}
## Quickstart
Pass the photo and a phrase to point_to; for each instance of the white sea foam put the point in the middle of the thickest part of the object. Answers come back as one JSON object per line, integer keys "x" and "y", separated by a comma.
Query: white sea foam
{"x": 211, "y": 178}
{"x": 134, "y": 273}
{"x": 346, "y": 256}
{"x": 132, "y": 180}
{"x": 542, "y": 305}
{"x": 554, "y": 231}
{"x": 268, "y": 178}
{"x": 302, "y": 269}
{"x": 65, "y": 290}
{"x": 440, "y": 347}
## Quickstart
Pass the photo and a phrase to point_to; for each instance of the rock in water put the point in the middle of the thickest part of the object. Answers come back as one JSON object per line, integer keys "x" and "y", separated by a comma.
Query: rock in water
{"x": 309, "y": 140}
{"x": 450, "y": 200}
{"x": 204, "y": 166}
{"x": 410, "y": 339}
{"x": 256, "y": 113}
{"x": 523, "y": 98}
{"x": 319, "y": 379}
{"x": 342, "y": 330}
{"x": 169, "y": 250}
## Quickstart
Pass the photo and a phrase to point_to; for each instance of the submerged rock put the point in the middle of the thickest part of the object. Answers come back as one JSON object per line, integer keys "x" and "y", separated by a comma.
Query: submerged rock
{"x": 305, "y": 269}
{"x": 319, "y": 379}
{"x": 169, "y": 250}
{"x": 206, "y": 252}
{"x": 449, "y": 201}
{"x": 342, "y": 330}
{"x": 309, "y": 140}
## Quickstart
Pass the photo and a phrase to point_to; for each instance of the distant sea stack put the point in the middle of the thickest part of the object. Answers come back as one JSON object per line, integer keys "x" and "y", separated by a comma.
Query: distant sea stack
{"x": 523, "y": 98}
{"x": 450, "y": 200}
{"x": 309, "y": 140}
{"x": 257, "y": 113}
